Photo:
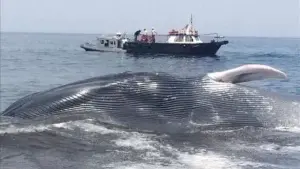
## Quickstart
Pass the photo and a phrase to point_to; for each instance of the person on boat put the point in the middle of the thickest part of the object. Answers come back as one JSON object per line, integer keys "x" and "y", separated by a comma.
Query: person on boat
{"x": 153, "y": 32}
{"x": 136, "y": 34}
{"x": 118, "y": 35}
{"x": 145, "y": 35}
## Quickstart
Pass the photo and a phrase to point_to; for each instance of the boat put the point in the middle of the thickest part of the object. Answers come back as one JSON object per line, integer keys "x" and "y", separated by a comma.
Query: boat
{"x": 183, "y": 41}
{"x": 107, "y": 43}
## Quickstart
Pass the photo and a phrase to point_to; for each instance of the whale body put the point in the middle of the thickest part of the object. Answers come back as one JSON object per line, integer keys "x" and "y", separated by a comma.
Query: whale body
{"x": 160, "y": 101}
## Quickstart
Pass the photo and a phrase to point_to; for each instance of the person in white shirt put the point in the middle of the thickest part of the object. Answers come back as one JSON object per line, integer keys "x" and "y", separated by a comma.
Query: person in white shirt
{"x": 145, "y": 32}
{"x": 153, "y": 32}
{"x": 145, "y": 36}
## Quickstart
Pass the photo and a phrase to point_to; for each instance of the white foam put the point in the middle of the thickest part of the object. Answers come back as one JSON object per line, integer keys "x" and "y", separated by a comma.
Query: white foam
{"x": 288, "y": 129}
{"x": 154, "y": 149}
{"x": 86, "y": 126}
{"x": 268, "y": 147}
{"x": 28, "y": 129}
{"x": 137, "y": 142}
{"x": 125, "y": 165}
{"x": 206, "y": 161}
{"x": 199, "y": 160}
{"x": 291, "y": 149}
{"x": 81, "y": 124}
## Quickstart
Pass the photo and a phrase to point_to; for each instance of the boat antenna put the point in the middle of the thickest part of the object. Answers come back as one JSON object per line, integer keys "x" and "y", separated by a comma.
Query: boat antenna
{"x": 191, "y": 20}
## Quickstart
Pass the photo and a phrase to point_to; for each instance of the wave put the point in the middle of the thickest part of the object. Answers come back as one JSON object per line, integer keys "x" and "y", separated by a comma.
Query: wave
{"x": 92, "y": 145}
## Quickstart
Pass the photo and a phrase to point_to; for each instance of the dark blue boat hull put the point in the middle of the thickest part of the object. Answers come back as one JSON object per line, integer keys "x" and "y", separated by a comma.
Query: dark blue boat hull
{"x": 167, "y": 48}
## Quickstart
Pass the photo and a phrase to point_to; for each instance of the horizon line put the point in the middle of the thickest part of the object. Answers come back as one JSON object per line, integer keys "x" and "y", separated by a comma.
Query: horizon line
{"x": 85, "y": 33}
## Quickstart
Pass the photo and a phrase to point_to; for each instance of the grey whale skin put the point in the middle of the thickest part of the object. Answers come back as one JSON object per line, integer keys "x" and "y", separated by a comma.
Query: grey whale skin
{"x": 159, "y": 101}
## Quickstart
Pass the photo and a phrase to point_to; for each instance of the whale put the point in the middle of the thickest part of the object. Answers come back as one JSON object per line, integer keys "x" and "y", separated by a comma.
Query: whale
{"x": 163, "y": 102}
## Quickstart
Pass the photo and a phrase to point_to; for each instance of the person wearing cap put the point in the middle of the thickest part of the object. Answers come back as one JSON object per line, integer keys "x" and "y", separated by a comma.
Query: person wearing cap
{"x": 153, "y": 32}
{"x": 118, "y": 35}
{"x": 145, "y": 36}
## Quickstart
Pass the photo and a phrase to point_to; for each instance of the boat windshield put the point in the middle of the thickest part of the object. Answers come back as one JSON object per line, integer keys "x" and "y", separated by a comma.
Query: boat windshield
{"x": 179, "y": 38}
{"x": 197, "y": 38}
{"x": 186, "y": 38}
{"x": 189, "y": 38}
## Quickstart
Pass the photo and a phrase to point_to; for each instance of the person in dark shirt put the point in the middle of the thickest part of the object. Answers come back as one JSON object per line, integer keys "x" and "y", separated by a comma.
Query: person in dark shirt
{"x": 136, "y": 34}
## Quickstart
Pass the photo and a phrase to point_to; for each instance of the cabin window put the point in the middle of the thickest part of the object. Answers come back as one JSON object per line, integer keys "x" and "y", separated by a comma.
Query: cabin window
{"x": 102, "y": 41}
{"x": 188, "y": 39}
{"x": 111, "y": 42}
{"x": 179, "y": 39}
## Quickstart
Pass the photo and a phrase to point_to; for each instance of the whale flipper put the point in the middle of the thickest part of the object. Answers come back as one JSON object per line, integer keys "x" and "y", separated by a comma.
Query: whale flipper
{"x": 245, "y": 73}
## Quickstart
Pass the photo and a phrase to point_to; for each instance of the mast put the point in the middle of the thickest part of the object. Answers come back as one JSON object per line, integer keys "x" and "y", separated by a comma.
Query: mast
{"x": 190, "y": 29}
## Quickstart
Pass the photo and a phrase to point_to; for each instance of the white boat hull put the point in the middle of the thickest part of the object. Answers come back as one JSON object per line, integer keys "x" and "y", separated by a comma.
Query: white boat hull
{"x": 94, "y": 48}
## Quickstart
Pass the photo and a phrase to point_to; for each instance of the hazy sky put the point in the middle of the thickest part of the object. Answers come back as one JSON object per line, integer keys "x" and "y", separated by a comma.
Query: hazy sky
{"x": 228, "y": 17}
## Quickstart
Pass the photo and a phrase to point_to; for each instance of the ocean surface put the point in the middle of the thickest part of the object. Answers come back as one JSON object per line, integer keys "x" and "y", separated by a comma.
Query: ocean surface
{"x": 32, "y": 62}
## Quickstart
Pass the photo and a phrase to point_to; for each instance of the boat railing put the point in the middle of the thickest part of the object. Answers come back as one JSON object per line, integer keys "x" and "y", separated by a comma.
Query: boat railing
{"x": 110, "y": 35}
{"x": 162, "y": 38}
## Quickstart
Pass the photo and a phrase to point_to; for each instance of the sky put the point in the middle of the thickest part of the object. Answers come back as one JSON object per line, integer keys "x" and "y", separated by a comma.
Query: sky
{"x": 262, "y": 18}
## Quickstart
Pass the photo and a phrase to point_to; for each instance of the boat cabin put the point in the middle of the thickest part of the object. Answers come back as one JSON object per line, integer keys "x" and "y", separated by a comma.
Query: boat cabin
{"x": 183, "y": 38}
{"x": 116, "y": 41}
{"x": 187, "y": 35}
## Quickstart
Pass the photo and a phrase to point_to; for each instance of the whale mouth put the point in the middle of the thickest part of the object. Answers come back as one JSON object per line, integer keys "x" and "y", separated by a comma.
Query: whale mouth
{"x": 247, "y": 73}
